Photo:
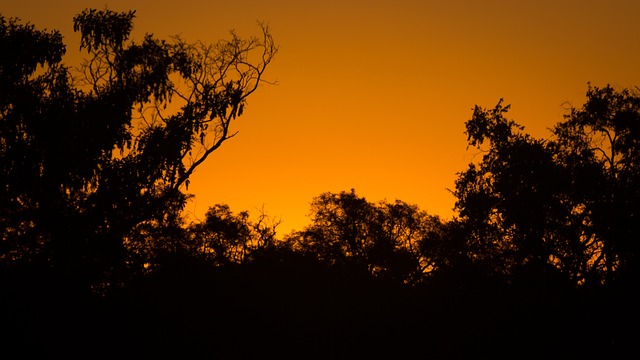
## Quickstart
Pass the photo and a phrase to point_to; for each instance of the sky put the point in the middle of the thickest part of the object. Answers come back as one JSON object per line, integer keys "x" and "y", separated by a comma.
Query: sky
{"x": 373, "y": 95}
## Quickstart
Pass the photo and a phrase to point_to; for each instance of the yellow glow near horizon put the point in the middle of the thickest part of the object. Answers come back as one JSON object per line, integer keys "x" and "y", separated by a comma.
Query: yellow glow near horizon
{"x": 373, "y": 95}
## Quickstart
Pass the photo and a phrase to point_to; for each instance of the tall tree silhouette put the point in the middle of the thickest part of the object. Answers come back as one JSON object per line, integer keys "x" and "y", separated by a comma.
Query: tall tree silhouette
{"x": 538, "y": 208}
{"x": 508, "y": 200}
{"x": 599, "y": 146}
{"x": 87, "y": 160}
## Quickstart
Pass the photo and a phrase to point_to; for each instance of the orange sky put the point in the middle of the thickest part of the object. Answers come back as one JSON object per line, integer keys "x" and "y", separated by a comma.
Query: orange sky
{"x": 373, "y": 95}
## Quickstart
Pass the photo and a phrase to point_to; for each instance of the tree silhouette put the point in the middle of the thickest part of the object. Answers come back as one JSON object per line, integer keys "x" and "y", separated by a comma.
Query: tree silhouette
{"x": 89, "y": 160}
{"x": 541, "y": 208}
{"x": 599, "y": 146}
{"x": 383, "y": 240}
{"x": 508, "y": 200}
{"x": 225, "y": 238}
{"x": 94, "y": 169}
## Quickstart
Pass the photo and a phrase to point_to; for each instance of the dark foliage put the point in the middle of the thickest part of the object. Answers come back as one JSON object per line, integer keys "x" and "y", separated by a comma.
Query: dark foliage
{"x": 561, "y": 209}
{"x": 90, "y": 166}
{"x": 96, "y": 261}
{"x": 384, "y": 240}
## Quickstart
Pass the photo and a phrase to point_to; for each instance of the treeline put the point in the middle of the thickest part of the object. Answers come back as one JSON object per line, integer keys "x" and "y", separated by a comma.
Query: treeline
{"x": 97, "y": 261}
{"x": 558, "y": 211}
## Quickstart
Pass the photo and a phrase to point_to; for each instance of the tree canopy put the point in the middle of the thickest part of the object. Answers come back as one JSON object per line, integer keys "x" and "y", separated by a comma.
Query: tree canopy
{"x": 566, "y": 204}
{"x": 385, "y": 240}
{"x": 91, "y": 158}
{"x": 94, "y": 170}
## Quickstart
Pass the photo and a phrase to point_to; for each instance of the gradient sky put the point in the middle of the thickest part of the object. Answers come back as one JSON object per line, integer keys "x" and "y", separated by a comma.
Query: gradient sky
{"x": 373, "y": 95}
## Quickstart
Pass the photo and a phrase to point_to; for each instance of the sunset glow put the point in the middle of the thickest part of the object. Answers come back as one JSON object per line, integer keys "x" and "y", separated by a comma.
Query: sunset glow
{"x": 373, "y": 95}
